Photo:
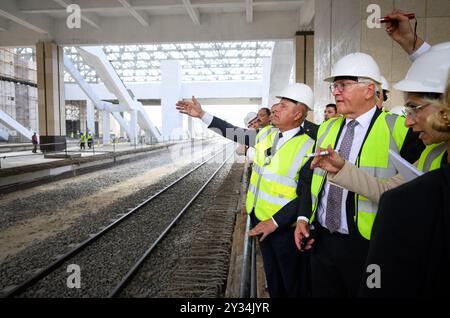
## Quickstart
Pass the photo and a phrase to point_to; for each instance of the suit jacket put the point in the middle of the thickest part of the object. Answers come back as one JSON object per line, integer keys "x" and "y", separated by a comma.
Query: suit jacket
{"x": 311, "y": 129}
{"x": 411, "y": 239}
{"x": 288, "y": 214}
{"x": 411, "y": 150}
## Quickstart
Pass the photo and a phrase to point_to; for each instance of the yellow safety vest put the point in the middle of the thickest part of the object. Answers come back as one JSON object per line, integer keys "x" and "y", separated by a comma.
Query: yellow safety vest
{"x": 388, "y": 132}
{"x": 273, "y": 183}
{"x": 431, "y": 157}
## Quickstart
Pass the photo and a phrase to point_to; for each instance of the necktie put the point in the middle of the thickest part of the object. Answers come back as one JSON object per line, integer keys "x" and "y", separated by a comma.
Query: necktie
{"x": 334, "y": 200}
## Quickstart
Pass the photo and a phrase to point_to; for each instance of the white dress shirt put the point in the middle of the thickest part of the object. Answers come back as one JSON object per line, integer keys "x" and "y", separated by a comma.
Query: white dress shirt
{"x": 360, "y": 132}
{"x": 422, "y": 49}
{"x": 207, "y": 118}
{"x": 288, "y": 134}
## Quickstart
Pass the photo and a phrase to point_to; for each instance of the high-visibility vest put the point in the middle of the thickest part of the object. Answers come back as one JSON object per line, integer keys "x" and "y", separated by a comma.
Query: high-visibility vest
{"x": 273, "y": 183}
{"x": 387, "y": 133}
{"x": 431, "y": 157}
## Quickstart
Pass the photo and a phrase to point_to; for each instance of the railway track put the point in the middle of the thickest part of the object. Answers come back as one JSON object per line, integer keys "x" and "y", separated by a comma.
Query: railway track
{"x": 112, "y": 246}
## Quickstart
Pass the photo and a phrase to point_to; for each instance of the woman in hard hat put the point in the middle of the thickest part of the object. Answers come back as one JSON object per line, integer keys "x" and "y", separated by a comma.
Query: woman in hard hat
{"x": 411, "y": 237}
{"x": 424, "y": 84}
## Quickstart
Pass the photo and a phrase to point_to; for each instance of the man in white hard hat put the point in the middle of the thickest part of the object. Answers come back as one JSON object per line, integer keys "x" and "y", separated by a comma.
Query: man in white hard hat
{"x": 272, "y": 195}
{"x": 251, "y": 120}
{"x": 383, "y": 93}
{"x": 423, "y": 86}
{"x": 343, "y": 219}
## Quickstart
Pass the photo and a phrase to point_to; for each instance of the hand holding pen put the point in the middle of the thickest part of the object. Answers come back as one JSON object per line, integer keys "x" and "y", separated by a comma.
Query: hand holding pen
{"x": 331, "y": 162}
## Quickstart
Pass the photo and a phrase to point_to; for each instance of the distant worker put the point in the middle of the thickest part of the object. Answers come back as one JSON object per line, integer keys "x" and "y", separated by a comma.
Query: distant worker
{"x": 383, "y": 95}
{"x": 251, "y": 120}
{"x": 271, "y": 113}
{"x": 34, "y": 140}
{"x": 82, "y": 141}
{"x": 89, "y": 140}
{"x": 263, "y": 117}
{"x": 330, "y": 112}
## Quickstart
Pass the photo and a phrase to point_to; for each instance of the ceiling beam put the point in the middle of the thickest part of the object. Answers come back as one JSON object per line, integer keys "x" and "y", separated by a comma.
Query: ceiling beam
{"x": 193, "y": 13}
{"x": 90, "y": 19}
{"x": 8, "y": 10}
{"x": 307, "y": 12}
{"x": 141, "y": 19}
{"x": 249, "y": 10}
{"x": 214, "y": 5}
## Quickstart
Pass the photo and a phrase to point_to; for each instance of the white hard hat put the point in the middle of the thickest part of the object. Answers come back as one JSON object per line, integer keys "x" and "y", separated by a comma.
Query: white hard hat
{"x": 251, "y": 116}
{"x": 428, "y": 74}
{"x": 301, "y": 93}
{"x": 357, "y": 65}
{"x": 384, "y": 84}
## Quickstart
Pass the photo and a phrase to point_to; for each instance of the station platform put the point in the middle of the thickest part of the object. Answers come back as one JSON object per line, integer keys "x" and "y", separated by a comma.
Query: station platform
{"x": 21, "y": 169}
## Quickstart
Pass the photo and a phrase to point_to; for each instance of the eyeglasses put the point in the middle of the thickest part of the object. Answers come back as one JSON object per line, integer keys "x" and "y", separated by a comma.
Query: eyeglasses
{"x": 341, "y": 86}
{"x": 411, "y": 111}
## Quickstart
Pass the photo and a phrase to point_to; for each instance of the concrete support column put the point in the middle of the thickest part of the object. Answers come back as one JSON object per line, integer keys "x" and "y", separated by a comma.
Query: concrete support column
{"x": 190, "y": 128}
{"x": 51, "y": 101}
{"x": 266, "y": 83}
{"x": 304, "y": 62}
{"x": 90, "y": 112}
{"x": 172, "y": 123}
{"x": 106, "y": 136}
{"x": 304, "y": 58}
{"x": 282, "y": 63}
{"x": 338, "y": 26}
{"x": 133, "y": 127}
{"x": 83, "y": 117}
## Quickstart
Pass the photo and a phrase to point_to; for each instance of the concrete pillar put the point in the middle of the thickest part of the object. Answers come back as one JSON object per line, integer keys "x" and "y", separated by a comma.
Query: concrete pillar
{"x": 338, "y": 26}
{"x": 106, "y": 137}
{"x": 90, "y": 112}
{"x": 83, "y": 117}
{"x": 51, "y": 101}
{"x": 266, "y": 83}
{"x": 304, "y": 58}
{"x": 190, "y": 128}
{"x": 304, "y": 62}
{"x": 172, "y": 123}
{"x": 133, "y": 127}
{"x": 282, "y": 63}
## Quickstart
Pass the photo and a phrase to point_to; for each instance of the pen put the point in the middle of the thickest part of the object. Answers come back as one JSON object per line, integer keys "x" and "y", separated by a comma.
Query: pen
{"x": 387, "y": 19}
{"x": 322, "y": 153}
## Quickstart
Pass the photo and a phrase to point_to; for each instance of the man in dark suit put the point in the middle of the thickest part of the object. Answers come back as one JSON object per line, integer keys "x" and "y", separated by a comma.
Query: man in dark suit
{"x": 272, "y": 212}
{"x": 310, "y": 129}
{"x": 343, "y": 219}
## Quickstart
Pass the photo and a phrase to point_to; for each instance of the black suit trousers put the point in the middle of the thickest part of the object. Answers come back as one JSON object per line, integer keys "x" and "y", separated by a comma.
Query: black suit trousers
{"x": 337, "y": 263}
{"x": 285, "y": 266}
